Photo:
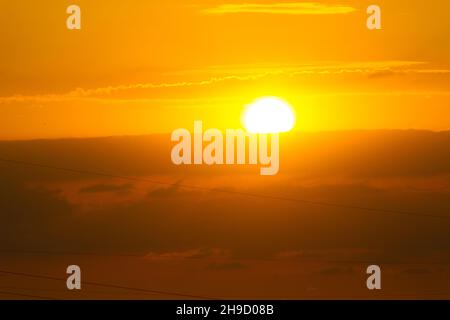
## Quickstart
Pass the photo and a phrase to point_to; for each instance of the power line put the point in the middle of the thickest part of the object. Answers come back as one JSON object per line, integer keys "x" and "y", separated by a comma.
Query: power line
{"x": 247, "y": 194}
{"x": 84, "y": 291}
{"x": 399, "y": 294}
{"x": 24, "y": 295}
{"x": 111, "y": 286}
{"x": 384, "y": 293}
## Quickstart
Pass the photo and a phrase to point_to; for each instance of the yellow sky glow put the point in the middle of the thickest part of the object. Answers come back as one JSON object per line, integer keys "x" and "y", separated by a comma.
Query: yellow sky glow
{"x": 151, "y": 67}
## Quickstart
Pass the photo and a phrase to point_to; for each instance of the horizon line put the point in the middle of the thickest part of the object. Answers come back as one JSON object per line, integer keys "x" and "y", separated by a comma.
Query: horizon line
{"x": 88, "y": 137}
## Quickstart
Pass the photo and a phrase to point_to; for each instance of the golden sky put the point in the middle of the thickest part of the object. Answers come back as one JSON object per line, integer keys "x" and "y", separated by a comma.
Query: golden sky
{"x": 130, "y": 217}
{"x": 140, "y": 67}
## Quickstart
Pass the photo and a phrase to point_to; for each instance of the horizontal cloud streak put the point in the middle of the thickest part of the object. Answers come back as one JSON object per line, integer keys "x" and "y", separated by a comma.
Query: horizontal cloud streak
{"x": 219, "y": 74}
{"x": 295, "y": 8}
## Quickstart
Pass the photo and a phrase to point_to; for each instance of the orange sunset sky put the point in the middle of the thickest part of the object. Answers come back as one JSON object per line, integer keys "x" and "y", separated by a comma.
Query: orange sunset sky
{"x": 140, "y": 67}
{"x": 355, "y": 187}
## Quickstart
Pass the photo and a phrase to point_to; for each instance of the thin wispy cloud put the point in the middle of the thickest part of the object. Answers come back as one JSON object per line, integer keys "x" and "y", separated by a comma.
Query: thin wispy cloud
{"x": 219, "y": 74}
{"x": 291, "y": 8}
{"x": 101, "y": 93}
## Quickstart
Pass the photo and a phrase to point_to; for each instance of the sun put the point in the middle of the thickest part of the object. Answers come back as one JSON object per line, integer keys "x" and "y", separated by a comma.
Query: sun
{"x": 268, "y": 115}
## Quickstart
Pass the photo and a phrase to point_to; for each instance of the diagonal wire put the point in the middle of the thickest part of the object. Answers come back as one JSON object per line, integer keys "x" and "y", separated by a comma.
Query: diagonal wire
{"x": 84, "y": 291}
{"x": 247, "y": 194}
{"x": 111, "y": 286}
{"x": 24, "y": 295}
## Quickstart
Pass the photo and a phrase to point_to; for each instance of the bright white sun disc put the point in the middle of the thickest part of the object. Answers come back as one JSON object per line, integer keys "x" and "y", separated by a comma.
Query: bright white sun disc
{"x": 268, "y": 115}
